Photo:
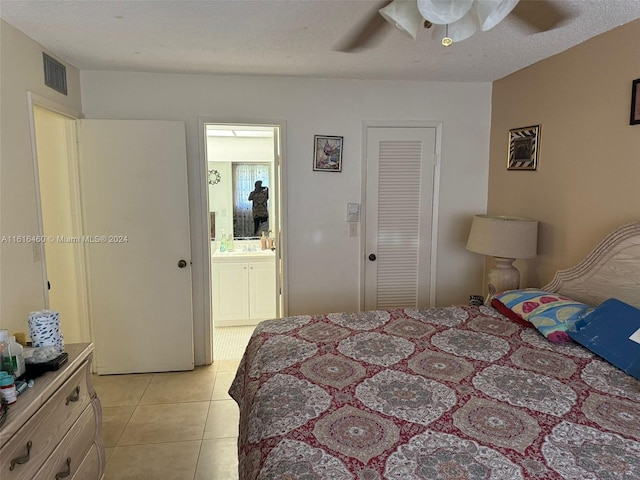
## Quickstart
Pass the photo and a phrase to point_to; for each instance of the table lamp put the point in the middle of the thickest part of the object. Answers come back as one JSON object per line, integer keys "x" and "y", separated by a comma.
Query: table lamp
{"x": 506, "y": 239}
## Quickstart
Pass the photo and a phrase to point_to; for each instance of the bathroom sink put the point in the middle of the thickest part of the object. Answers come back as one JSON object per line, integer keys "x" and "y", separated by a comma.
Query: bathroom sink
{"x": 243, "y": 253}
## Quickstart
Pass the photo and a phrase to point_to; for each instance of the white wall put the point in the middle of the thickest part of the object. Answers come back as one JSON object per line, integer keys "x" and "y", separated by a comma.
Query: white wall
{"x": 220, "y": 200}
{"x": 21, "y": 284}
{"x": 240, "y": 149}
{"x": 323, "y": 262}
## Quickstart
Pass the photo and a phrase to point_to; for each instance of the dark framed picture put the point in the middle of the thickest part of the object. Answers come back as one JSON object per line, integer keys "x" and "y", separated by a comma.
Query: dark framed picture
{"x": 635, "y": 102}
{"x": 327, "y": 153}
{"x": 524, "y": 146}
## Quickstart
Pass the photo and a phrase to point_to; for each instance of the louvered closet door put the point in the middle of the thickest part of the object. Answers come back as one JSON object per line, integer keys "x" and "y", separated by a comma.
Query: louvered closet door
{"x": 399, "y": 200}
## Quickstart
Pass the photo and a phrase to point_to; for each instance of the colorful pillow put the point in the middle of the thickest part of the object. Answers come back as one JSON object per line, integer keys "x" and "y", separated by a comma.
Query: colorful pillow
{"x": 550, "y": 313}
{"x": 510, "y": 314}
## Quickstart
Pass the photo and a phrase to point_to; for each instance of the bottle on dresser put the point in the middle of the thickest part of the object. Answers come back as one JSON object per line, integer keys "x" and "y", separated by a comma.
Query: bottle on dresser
{"x": 12, "y": 354}
{"x": 8, "y": 387}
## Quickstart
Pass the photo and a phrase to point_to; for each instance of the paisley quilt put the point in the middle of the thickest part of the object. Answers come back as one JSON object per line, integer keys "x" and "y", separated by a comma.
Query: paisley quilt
{"x": 442, "y": 393}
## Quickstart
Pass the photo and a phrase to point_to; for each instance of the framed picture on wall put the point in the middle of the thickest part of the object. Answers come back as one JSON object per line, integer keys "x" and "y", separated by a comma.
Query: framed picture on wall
{"x": 524, "y": 146}
{"x": 327, "y": 153}
{"x": 635, "y": 102}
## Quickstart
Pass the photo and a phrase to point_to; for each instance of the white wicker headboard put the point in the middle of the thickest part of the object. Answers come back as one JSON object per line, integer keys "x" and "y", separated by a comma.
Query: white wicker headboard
{"x": 612, "y": 270}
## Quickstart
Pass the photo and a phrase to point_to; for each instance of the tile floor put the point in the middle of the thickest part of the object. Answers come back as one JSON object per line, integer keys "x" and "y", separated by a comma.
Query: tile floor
{"x": 170, "y": 426}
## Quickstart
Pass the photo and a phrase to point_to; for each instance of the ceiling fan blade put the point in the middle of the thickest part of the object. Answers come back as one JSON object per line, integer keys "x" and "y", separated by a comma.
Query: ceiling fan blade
{"x": 540, "y": 15}
{"x": 367, "y": 33}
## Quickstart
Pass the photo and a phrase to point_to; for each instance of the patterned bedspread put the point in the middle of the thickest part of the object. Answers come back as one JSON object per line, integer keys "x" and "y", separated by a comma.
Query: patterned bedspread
{"x": 444, "y": 393}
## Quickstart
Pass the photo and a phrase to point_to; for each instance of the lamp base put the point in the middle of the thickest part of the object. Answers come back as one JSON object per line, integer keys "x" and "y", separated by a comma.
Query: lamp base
{"x": 503, "y": 276}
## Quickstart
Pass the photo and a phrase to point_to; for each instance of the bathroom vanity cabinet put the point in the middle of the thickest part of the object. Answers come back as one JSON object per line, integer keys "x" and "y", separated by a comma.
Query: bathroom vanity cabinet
{"x": 243, "y": 287}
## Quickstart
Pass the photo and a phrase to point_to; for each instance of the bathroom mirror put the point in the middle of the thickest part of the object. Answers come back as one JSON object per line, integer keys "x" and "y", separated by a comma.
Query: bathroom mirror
{"x": 240, "y": 156}
{"x": 229, "y": 199}
{"x": 244, "y": 177}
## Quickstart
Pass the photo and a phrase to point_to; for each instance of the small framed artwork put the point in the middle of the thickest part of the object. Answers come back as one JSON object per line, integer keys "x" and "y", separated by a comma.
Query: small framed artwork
{"x": 635, "y": 103}
{"x": 524, "y": 145}
{"x": 327, "y": 153}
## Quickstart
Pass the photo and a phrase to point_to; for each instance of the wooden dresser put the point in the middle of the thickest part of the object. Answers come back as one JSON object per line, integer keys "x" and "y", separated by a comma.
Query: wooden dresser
{"x": 53, "y": 430}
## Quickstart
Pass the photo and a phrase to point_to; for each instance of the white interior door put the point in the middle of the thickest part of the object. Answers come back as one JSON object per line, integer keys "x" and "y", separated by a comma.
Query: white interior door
{"x": 133, "y": 177}
{"x": 398, "y": 217}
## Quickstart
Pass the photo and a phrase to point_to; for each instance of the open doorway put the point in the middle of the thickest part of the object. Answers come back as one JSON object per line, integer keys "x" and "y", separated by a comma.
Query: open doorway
{"x": 58, "y": 203}
{"x": 245, "y": 227}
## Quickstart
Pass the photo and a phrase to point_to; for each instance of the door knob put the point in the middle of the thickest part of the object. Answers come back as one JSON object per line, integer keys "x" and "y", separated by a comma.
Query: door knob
{"x": 182, "y": 263}
{"x": 372, "y": 257}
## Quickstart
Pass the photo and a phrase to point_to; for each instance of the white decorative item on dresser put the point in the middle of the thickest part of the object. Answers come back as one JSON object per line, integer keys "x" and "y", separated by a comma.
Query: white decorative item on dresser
{"x": 53, "y": 430}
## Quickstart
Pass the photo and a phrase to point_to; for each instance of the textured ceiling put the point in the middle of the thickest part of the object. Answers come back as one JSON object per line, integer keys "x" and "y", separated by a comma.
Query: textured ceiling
{"x": 291, "y": 38}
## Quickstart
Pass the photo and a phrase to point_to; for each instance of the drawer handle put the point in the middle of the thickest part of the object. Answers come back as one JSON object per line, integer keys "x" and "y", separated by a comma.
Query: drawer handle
{"x": 74, "y": 396}
{"x": 21, "y": 460}
{"x": 67, "y": 472}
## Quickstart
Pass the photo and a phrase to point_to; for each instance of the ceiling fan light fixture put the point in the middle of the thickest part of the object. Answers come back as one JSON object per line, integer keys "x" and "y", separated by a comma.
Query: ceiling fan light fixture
{"x": 404, "y": 15}
{"x": 444, "y": 12}
{"x": 492, "y": 12}
{"x": 457, "y": 31}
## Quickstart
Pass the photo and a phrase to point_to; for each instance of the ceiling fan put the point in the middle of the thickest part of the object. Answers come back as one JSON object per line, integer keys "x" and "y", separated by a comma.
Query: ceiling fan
{"x": 451, "y": 20}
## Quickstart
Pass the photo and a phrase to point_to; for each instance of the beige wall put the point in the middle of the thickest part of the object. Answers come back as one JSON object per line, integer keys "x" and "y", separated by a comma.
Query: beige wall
{"x": 56, "y": 186}
{"x": 21, "y": 284}
{"x": 588, "y": 177}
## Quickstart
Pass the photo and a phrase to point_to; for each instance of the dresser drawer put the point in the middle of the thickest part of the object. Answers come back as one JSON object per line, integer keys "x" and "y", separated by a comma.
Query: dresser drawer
{"x": 38, "y": 437}
{"x": 68, "y": 456}
{"x": 90, "y": 466}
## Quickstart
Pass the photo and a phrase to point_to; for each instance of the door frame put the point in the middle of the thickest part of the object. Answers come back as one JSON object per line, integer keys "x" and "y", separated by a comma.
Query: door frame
{"x": 281, "y": 208}
{"x": 435, "y": 200}
{"x": 35, "y": 100}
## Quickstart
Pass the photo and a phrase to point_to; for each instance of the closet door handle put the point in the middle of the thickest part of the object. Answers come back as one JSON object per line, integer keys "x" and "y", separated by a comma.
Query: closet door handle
{"x": 372, "y": 257}
{"x": 65, "y": 473}
{"x": 73, "y": 396}
{"x": 23, "y": 459}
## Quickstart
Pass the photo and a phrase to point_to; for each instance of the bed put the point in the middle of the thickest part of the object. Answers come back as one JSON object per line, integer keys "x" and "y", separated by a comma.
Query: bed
{"x": 442, "y": 393}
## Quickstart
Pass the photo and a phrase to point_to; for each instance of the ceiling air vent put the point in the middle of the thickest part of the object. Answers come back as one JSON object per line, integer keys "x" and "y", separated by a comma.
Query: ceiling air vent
{"x": 55, "y": 74}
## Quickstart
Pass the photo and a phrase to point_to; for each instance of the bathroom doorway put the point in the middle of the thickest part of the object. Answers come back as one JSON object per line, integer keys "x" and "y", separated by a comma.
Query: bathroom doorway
{"x": 244, "y": 191}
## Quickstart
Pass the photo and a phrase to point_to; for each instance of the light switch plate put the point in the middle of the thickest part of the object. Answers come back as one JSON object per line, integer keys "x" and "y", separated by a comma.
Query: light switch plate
{"x": 353, "y": 212}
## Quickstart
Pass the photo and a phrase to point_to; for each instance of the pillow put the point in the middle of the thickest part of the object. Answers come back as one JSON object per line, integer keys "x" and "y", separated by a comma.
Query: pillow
{"x": 550, "y": 313}
{"x": 510, "y": 314}
{"x": 612, "y": 330}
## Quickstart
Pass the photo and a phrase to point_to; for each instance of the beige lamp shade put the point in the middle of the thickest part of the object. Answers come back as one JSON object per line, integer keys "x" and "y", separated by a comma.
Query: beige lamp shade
{"x": 505, "y": 239}
{"x": 503, "y": 236}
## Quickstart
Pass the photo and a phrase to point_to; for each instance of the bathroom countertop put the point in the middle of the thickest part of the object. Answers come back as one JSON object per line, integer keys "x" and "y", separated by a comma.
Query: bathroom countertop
{"x": 241, "y": 254}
